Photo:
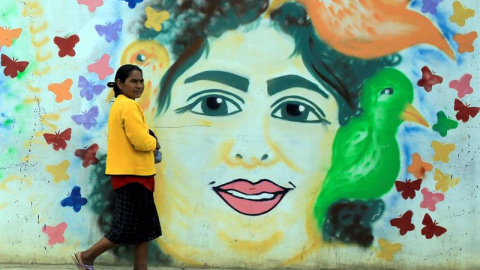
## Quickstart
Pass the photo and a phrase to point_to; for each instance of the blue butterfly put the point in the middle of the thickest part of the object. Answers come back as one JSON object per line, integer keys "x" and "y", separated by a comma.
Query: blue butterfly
{"x": 87, "y": 118}
{"x": 110, "y": 30}
{"x": 88, "y": 88}
{"x": 132, "y": 3}
{"x": 75, "y": 200}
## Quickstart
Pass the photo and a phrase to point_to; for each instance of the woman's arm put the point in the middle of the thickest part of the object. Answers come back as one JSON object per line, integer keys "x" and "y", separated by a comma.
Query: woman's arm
{"x": 136, "y": 129}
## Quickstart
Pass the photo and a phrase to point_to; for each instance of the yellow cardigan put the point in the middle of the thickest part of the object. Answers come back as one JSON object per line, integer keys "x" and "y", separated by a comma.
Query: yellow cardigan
{"x": 130, "y": 146}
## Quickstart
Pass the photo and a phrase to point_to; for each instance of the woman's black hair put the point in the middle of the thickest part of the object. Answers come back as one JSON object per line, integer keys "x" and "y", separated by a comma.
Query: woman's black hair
{"x": 122, "y": 74}
{"x": 193, "y": 21}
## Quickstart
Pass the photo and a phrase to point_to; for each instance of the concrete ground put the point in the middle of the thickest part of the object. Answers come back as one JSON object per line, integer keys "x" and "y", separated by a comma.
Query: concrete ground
{"x": 73, "y": 267}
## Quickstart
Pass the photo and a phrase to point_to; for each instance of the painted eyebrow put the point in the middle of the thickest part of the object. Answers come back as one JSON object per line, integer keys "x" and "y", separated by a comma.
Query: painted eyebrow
{"x": 223, "y": 77}
{"x": 282, "y": 83}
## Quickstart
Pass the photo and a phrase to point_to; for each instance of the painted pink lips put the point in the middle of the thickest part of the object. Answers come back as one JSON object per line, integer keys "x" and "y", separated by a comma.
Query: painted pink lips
{"x": 251, "y": 199}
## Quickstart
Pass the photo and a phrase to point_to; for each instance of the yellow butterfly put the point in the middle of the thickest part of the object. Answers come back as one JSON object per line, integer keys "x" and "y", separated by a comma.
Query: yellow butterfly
{"x": 442, "y": 151}
{"x": 155, "y": 19}
{"x": 444, "y": 182}
{"x": 8, "y": 35}
{"x": 387, "y": 249}
{"x": 460, "y": 13}
{"x": 59, "y": 171}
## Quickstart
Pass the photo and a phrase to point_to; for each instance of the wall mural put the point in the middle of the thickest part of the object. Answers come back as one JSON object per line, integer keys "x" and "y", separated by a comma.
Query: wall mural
{"x": 295, "y": 133}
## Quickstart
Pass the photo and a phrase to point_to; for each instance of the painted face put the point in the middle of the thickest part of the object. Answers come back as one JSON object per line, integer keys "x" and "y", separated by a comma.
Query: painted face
{"x": 133, "y": 85}
{"x": 246, "y": 144}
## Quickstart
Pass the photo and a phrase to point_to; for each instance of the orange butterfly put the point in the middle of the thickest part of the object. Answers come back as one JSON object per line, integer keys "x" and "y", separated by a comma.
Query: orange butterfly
{"x": 419, "y": 167}
{"x": 61, "y": 90}
{"x": 465, "y": 42}
{"x": 8, "y": 35}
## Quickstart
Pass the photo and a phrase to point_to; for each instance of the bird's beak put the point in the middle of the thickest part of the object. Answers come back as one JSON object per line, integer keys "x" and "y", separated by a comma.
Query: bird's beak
{"x": 411, "y": 114}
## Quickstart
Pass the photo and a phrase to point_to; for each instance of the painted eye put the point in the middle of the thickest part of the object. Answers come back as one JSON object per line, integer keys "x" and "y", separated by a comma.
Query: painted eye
{"x": 297, "y": 111}
{"x": 141, "y": 58}
{"x": 212, "y": 105}
{"x": 387, "y": 91}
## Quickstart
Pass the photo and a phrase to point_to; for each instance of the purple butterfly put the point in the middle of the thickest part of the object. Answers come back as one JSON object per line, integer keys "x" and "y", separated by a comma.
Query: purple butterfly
{"x": 430, "y": 6}
{"x": 87, "y": 118}
{"x": 88, "y": 88}
{"x": 75, "y": 200}
{"x": 132, "y": 3}
{"x": 110, "y": 30}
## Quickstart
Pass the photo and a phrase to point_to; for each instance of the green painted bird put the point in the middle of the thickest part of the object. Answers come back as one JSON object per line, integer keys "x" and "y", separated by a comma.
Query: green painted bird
{"x": 366, "y": 155}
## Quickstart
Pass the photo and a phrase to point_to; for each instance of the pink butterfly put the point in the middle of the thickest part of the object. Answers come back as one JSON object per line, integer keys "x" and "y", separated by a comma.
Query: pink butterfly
{"x": 430, "y": 199}
{"x": 101, "y": 67}
{"x": 462, "y": 86}
{"x": 55, "y": 233}
{"x": 92, "y": 4}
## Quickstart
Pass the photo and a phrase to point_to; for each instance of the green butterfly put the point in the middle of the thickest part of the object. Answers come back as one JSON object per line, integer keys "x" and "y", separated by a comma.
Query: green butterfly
{"x": 444, "y": 124}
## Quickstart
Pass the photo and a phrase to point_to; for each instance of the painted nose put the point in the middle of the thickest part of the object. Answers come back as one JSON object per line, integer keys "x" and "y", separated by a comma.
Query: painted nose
{"x": 252, "y": 151}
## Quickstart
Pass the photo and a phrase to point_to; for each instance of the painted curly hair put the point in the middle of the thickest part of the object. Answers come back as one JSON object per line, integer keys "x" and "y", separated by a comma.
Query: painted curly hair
{"x": 193, "y": 23}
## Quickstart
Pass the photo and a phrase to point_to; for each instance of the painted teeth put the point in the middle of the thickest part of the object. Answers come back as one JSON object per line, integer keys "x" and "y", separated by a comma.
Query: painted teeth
{"x": 254, "y": 197}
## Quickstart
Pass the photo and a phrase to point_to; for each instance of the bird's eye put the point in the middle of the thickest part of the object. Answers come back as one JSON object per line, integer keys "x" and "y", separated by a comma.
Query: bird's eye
{"x": 140, "y": 57}
{"x": 387, "y": 91}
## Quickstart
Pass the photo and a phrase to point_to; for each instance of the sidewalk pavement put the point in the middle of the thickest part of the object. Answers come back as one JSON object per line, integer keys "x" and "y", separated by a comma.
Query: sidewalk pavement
{"x": 97, "y": 267}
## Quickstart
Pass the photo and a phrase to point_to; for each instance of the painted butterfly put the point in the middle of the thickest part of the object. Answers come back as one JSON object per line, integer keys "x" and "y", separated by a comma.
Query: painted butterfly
{"x": 55, "y": 233}
{"x": 465, "y": 42}
{"x": 61, "y": 90}
{"x": 404, "y": 222}
{"x": 430, "y": 199}
{"x": 419, "y": 167}
{"x": 87, "y": 119}
{"x": 431, "y": 228}
{"x": 444, "y": 181}
{"x": 88, "y": 155}
{"x": 461, "y": 13}
{"x": 462, "y": 86}
{"x": 408, "y": 187}
{"x": 101, "y": 67}
{"x": 8, "y": 35}
{"x": 110, "y": 30}
{"x": 387, "y": 249}
{"x": 430, "y": 6}
{"x": 75, "y": 200}
{"x": 155, "y": 18}
{"x": 92, "y": 4}
{"x": 12, "y": 66}
{"x": 442, "y": 151}
{"x": 59, "y": 171}
{"x": 444, "y": 124}
{"x": 132, "y": 3}
{"x": 59, "y": 140}
{"x": 464, "y": 111}
{"x": 89, "y": 89}
{"x": 66, "y": 45}
{"x": 428, "y": 79}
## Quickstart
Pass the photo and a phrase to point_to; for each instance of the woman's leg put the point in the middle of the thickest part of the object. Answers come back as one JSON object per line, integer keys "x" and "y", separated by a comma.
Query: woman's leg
{"x": 88, "y": 256}
{"x": 141, "y": 255}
